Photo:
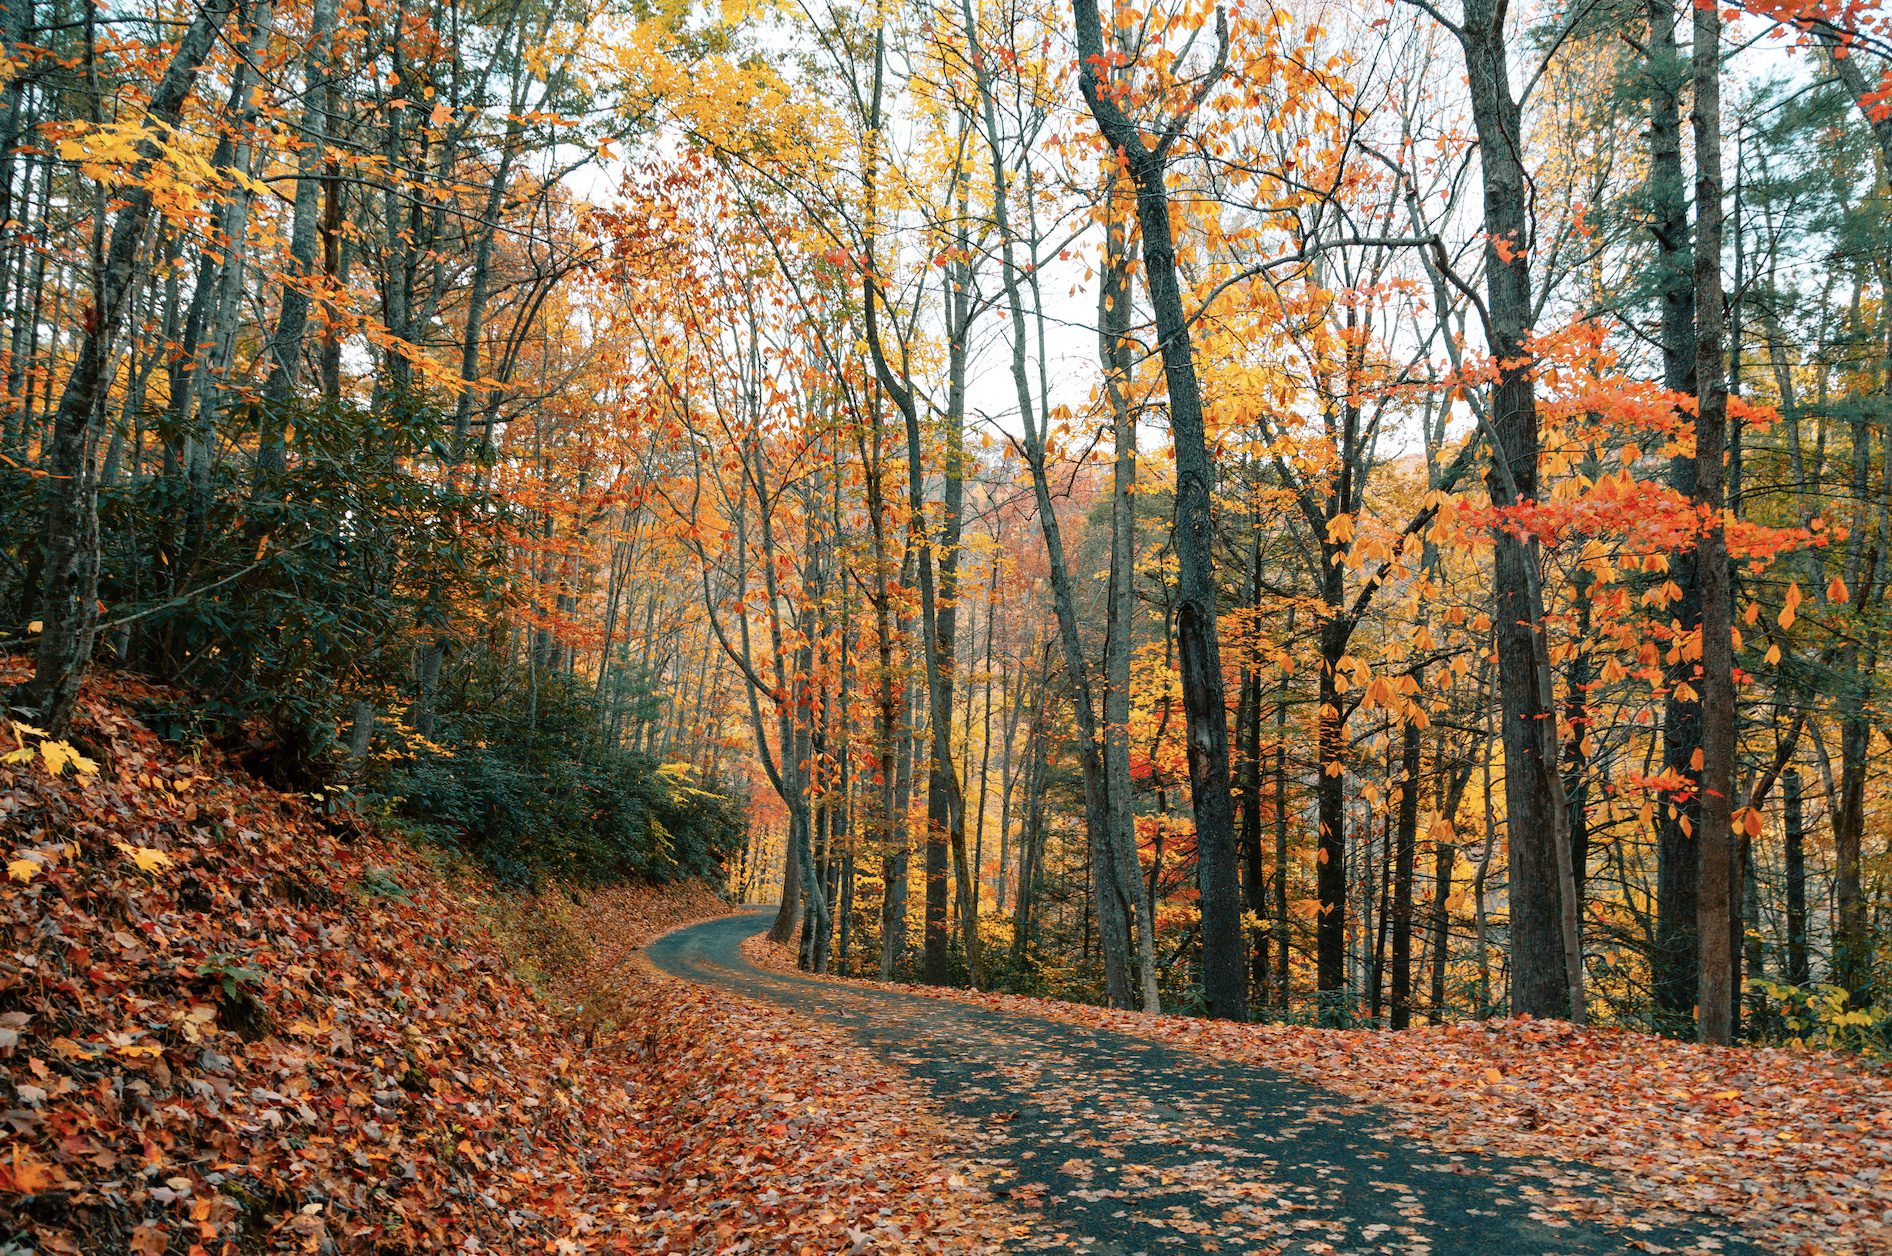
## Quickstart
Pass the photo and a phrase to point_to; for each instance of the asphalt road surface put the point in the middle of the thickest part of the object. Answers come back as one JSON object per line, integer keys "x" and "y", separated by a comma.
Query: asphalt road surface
{"x": 1118, "y": 1146}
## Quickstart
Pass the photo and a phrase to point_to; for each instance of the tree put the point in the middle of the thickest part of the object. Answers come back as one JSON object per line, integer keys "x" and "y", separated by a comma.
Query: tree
{"x": 1224, "y": 966}
{"x": 1547, "y": 963}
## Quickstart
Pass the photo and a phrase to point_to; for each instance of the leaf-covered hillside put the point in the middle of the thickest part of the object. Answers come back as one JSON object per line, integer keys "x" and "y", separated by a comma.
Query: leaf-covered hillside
{"x": 228, "y": 1024}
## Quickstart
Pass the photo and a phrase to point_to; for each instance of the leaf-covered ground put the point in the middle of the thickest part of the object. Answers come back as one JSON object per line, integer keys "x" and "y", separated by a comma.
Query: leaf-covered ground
{"x": 1794, "y": 1146}
{"x": 230, "y": 1025}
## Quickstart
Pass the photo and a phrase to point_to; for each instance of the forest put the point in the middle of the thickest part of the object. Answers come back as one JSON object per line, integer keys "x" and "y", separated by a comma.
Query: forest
{"x": 1203, "y": 509}
{"x": 1350, "y": 516}
{"x": 829, "y": 625}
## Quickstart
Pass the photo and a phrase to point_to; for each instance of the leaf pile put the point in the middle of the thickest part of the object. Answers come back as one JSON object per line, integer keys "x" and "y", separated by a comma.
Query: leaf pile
{"x": 229, "y": 1025}
{"x": 1795, "y": 1146}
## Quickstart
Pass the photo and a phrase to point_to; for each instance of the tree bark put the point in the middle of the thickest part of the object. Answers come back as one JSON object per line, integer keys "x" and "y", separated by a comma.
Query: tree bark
{"x": 1405, "y": 844}
{"x": 292, "y": 320}
{"x": 1120, "y": 643}
{"x": 1715, "y": 838}
{"x": 69, "y": 592}
{"x": 1282, "y": 923}
{"x": 1330, "y": 852}
{"x": 1676, "y": 958}
{"x": 1224, "y": 967}
{"x": 1546, "y": 957}
{"x": 1794, "y": 835}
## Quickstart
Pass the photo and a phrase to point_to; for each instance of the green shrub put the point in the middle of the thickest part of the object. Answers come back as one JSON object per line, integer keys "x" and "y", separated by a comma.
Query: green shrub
{"x": 537, "y": 791}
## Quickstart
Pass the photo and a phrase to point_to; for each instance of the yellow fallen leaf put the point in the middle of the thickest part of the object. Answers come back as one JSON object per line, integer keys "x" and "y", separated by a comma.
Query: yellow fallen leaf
{"x": 22, "y": 870}
{"x": 58, "y": 754}
{"x": 147, "y": 858}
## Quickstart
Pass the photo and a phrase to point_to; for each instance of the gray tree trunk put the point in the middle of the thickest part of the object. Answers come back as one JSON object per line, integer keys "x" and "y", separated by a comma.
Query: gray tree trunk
{"x": 69, "y": 596}
{"x": 1546, "y": 955}
{"x": 1224, "y": 952}
{"x": 1719, "y": 899}
{"x": 292, "y": 320}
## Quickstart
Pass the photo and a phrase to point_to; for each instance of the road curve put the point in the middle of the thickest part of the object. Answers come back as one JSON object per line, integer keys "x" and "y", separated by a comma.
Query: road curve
{"x": 1119, "y": 1146}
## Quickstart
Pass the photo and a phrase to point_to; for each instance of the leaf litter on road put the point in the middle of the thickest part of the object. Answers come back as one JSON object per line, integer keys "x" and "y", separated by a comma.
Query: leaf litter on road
{"x": 1795, "y": 1146}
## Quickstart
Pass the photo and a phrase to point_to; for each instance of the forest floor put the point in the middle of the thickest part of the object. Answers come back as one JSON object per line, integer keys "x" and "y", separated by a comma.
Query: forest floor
{"x": 1125, "y": 1133}
{"x": 233, "y": 1021}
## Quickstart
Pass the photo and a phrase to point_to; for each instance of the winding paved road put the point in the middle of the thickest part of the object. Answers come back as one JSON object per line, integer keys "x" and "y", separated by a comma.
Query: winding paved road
{"x": 1118, "y": 1146}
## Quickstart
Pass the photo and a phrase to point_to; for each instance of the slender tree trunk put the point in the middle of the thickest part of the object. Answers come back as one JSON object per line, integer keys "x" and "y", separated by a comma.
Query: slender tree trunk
{"x": 1546, "y": 957}
{"x": 1676, "y": 959}
{"x": 1330, "y": 852}
{"x": 69, "y": 597}
{"x": 1120, "y": 644}
{"x": 1794, "y": 834}
{"x": 1715, "y": 838}
{"x": 985, "y": 739}
{"x": 1851, "y": 960}
{"x": 945, "y": 803}
{"x": 1254, "y": 868}
{"x": 1282, "y": 924}
{"x": 1405, "y": 845}
{"x": 292, "y": 320}
{"x": 1113, "y": 899}
{"x": 1224, "y": 953}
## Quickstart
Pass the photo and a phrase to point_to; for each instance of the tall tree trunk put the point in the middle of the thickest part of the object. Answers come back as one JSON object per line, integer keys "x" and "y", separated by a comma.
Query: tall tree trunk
{"x": 1254, "y": 868}
{"x": 1113, "y": 893}
{"x": 432, "y": 654}
{"x": 985, "y": 738}
{"x": 1224, "y": 954}
{"x": 1546, "y": 955}
{"x": 1715, "y": 838}
{"x": 1282, "y": 923}
{"x": 69, "y": 597}
{"x": 1676, "y": 959}
{"x": 1113, "y": 917}
{"x": 1120, "y": 643}
{"x": 1330, "y": 804}
{"x": 890, "y": 697}
{"x": 292, "y": 319}
{"x": 945, "y": 803}
{"x": 1405, "y": 845}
